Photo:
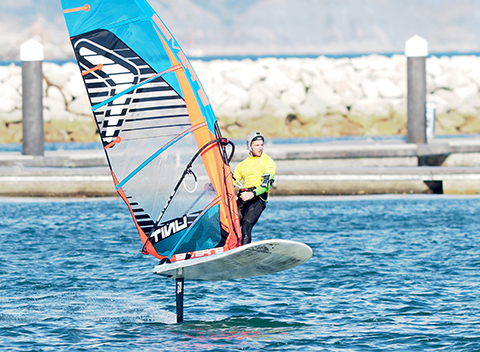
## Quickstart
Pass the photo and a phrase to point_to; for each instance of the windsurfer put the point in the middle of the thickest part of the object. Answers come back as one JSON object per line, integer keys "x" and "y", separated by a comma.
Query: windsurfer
{"x": 257, "y": 171}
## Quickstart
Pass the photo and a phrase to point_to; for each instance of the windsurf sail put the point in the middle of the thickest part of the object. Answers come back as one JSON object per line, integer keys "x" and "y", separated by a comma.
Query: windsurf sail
{"x": 168, "y": 159}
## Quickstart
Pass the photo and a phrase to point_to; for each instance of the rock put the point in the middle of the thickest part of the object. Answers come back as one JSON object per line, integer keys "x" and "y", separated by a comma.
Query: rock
{"x": 348, "y": 91}
{"x": 402, "y": 84}
{"x": 55, "y": 107}
{"x": 430, "y": 84}
{"x": 467, "y": 110}
{"x": 4, "y": 73}
{"x": 306, "y": 79}
{"x": 464, "y": 62}
{"x": 445, "y": 63}
{"x": 370, "y": 107}
{"x": 229, "y": 107}
{"x": 277, "y": 80}
{"x": 357, "y": 77}
{"x": 295, "y": 95}
{"x": 309, "y": 66}
{"x": 258, "y": 98}
{"x": 393, "y": 76}
{"x": 75, "y": 86}
{"x": 370, "y": 89}
{"x": 336, "y": 75}
{"x": 54, "y": 74}
{"x": 245, "y": 76}
{"x": 386, "y": 89}
{"x": 268, "y": 63}
{"x": 451, "y": 79}
{"x": 399, "y": 106}
{"x": 11, "y": 100}
{"x": 306, "y": 113}
{"x": 322, "y": 91}
{"x": 337, "y": 109}
{"x": 442, "y": 106}
{"x": 451, "y": 122}
{"x": 80, "y": 106}
{"x": 277, "y": 108}
{"x": 466, "y": 91}
{"x": 217, "y": 97}
{"x": 296, "y": 127}
{"x": 324, "y": 64}
{"x": 473, "y": 101}
{"x": 361, "y": 63}
{"x": 236, "y": 93}
{"x": 474, "y": 75}
{"x": 452, "y": 101}
{"x": 12, "y": 133}
{"x": 14, "y": 70}
{"x": 70, "y": 69}
{"x": 342, "y": 62}
{"x": 59, "y": 115}
{"x": 206, "y": 78}
{"x": 378, "y": 62}
{"x": 14, "y": 79}
{"x": 218, "y": 82}
{"x": 433, "y": 66}
{"x": 290, "y": 68}
{"x": 400, "y": 63}
{"x": 315, "y": 102}
{"x": 54, "y": 96}
{"x": 384, "y": 127}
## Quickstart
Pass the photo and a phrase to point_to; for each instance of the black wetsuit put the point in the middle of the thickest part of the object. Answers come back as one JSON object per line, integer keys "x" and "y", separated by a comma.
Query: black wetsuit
{"x": 249, "y": 213}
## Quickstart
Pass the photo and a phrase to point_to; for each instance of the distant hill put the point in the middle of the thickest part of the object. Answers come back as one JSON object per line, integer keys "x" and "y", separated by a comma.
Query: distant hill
{"x": 260, "y": 27}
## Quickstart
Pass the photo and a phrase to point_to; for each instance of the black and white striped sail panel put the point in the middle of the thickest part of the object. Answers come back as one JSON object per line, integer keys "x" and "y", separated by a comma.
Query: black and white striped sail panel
{"x": 110, "y": 70}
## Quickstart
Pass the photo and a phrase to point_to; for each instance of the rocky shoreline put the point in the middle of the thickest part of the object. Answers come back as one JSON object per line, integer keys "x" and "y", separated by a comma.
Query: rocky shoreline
{"x": 292, "y": 97}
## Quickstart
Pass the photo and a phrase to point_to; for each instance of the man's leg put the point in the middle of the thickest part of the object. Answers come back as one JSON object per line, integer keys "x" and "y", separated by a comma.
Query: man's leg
{"x": 250, "y": 218}
{"x": 241, "y": 209}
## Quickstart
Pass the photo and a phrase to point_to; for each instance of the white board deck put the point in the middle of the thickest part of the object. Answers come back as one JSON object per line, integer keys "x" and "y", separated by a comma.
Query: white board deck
{"x": 253, "y": 259}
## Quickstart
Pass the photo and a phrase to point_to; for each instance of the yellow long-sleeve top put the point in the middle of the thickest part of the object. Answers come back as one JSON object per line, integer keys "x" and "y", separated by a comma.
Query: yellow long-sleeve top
{"x": 252, "y": 171}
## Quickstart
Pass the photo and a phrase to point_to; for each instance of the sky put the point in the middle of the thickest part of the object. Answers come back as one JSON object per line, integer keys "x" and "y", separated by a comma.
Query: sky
{"x": 270, "y": 27}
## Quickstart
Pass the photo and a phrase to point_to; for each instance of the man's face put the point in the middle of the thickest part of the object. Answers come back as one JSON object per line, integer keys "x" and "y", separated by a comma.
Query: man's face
{"x": 257, "y": 147}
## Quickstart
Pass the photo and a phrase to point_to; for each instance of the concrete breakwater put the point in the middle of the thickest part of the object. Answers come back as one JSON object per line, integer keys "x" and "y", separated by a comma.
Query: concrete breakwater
{"x": 292, "y": 97}
{"x": 346, "y": 168}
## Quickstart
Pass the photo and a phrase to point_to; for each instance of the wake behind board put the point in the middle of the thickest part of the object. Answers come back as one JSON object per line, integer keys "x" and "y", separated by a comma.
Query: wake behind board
{"x": 254, "y": 259}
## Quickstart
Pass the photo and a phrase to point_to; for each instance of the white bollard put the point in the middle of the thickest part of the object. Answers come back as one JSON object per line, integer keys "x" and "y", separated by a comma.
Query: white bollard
{"x": 31, "y": 55}
{"x": 416, "y": 50}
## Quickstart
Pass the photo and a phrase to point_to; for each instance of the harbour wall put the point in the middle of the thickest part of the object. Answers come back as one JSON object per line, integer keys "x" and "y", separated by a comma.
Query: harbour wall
{"x": 292, "y": 97}
{"x": 349, "y": 168}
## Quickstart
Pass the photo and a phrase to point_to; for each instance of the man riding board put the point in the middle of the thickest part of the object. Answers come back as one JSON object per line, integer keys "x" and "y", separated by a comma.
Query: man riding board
{"x": 257, "y": 171}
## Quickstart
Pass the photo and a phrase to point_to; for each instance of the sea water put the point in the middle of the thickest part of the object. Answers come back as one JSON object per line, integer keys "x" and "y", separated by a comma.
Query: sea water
{"x": 388, "y": 273}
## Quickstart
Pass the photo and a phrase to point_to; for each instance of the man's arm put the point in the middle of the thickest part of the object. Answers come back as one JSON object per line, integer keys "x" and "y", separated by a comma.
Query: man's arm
{"x": 268, "y": 177}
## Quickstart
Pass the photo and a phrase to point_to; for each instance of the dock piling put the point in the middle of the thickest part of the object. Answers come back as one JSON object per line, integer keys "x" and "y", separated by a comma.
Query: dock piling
{"x": 31, "y": 55}
{"x": 416, "y": 50}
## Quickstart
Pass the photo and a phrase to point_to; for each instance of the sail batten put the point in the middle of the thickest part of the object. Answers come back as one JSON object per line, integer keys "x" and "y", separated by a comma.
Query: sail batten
{"x": 129, "y": 89}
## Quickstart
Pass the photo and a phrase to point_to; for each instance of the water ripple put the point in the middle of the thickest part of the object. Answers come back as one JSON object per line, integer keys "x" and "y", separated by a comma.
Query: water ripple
{"x": 388, "y": 272}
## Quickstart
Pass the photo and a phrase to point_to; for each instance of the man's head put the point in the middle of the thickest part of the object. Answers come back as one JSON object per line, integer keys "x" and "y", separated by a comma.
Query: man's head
{"x": 255, "y": 142}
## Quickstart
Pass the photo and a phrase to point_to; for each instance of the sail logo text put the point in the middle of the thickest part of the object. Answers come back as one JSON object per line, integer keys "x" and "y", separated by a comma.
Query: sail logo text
{"x": 169, "y": 229}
